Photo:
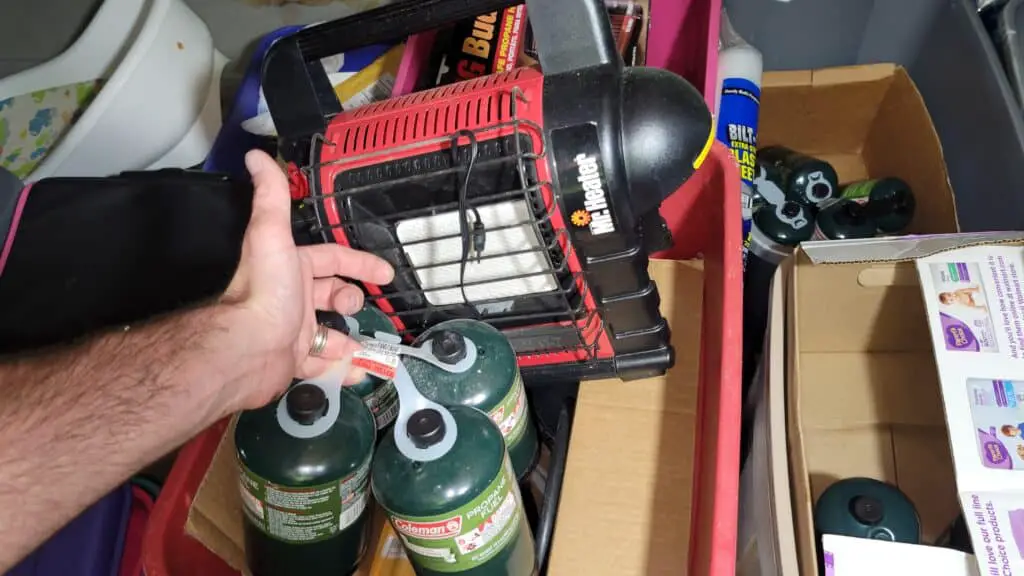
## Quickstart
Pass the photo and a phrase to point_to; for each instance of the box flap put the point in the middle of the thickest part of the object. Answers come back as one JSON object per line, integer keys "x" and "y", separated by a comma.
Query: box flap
{"x": 898, "y": 248}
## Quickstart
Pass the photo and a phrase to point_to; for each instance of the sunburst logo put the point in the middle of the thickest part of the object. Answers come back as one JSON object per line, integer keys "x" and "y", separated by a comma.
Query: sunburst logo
{"x": 580, "y": 218}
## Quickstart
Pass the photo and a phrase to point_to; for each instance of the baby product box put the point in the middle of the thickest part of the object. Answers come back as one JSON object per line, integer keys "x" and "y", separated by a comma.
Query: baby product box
{"x": 974, "y": 300}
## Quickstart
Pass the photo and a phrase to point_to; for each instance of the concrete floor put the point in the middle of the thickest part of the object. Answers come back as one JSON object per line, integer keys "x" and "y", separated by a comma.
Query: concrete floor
{"x": 33, "y": 31}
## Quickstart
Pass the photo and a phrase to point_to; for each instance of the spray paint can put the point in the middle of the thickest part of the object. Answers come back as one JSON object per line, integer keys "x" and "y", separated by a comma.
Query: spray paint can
{"x": 801, "y": 178}
{"x": 304, "y": 467}
{"x": 777, "y": 230}
{"x": 845, "y": 219}
{"x": 890, "y": 202}
{"x": 492, "y": 383}
{"x": 737, "y": 107}
{"x": 378, "y": 394}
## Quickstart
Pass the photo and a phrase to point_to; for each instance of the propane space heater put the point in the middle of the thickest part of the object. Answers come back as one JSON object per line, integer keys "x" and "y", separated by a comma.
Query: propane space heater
{"x": 528, "y": 199}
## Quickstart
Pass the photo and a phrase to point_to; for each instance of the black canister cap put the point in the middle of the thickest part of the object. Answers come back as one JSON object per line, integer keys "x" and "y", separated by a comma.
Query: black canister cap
{"x": 306, "y": 403}
{"x": 867, "y": 510}
{"x": 448, "y": 346}
{"x": 791, "y": 209}
{"x": 425, "y": 428}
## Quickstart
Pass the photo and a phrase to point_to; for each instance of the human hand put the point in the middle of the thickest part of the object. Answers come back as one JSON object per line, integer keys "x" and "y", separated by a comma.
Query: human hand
{"x": 272, "y": 300}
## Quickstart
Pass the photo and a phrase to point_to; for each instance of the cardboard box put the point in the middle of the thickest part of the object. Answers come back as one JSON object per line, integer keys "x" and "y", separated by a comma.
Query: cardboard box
{"x": 863, "y": 394}
{"x": 626, "y": 498}
{"x": 868, "y": 122}
{"x": 974, "y": 299}
{"x": 853, "y": 333}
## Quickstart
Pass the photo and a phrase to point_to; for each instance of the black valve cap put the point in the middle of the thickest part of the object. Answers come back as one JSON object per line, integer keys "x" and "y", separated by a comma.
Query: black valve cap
{"x": 425, "y": 428}
{"x": 867, "y": 510}
{"x": 448, "y": 346}
{"x": 306, "y": 403}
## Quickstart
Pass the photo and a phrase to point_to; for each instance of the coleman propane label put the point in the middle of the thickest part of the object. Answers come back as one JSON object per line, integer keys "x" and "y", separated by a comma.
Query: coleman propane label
{"x": 469, "y": 536}
{"x": 307, "y": 514}
{"x": 582, "y": 181}
{"x": 510, "y": 413}
{"x": 383, "y": 404}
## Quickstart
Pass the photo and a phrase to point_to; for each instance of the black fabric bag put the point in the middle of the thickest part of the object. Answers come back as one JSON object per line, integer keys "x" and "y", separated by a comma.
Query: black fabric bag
{"x": 82, "y": 254}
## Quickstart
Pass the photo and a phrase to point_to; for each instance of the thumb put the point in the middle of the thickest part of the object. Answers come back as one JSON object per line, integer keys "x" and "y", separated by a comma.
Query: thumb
{"x": 271, "y": 209}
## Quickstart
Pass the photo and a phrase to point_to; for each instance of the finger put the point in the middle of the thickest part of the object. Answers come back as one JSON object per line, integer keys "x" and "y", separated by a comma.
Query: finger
{"x": 336, "y": 260}
{"x": 339, "y": 346}
{"x": 270, "y": 202}
{"x": 334, "y": 294}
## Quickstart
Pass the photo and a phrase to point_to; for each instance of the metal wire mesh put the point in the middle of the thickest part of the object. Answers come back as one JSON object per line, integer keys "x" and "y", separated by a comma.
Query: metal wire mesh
{"x": 375, "y": 192}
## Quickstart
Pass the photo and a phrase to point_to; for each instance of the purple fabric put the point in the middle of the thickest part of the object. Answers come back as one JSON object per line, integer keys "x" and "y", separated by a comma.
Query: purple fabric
{"x": 91, "y": 545}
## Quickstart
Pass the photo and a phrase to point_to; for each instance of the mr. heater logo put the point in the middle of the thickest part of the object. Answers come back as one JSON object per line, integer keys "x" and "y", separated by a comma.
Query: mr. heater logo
{"x": 595, "y": 213}
{"x": 438, "y": 530}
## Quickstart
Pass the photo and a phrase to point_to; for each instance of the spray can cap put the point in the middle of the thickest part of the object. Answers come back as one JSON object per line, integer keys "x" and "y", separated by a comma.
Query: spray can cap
{"x": 306, "y": 403}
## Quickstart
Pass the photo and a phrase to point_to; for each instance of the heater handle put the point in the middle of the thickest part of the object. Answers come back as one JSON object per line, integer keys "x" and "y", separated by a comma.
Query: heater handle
{"x": 301, "y": 99}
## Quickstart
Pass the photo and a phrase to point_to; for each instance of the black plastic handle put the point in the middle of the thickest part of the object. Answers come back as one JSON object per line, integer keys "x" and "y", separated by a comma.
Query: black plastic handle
{"x": 553, "y": 486}
{"x": 570, "y": 34}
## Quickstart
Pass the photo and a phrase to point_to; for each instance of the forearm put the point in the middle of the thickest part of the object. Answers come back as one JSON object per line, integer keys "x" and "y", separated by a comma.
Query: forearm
{"x": 77, "y": 422}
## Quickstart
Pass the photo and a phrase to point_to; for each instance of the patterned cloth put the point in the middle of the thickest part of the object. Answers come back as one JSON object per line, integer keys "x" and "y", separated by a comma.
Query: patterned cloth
{"x": 32, "y": 124}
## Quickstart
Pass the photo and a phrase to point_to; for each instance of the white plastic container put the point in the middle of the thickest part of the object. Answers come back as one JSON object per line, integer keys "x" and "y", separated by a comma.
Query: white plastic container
{"x": 159, "y": 105}
{"x": 738, "y": 101}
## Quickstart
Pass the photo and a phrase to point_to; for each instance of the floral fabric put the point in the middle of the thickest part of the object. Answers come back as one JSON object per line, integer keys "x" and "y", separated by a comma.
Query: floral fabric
{"x": 32, "y": 124}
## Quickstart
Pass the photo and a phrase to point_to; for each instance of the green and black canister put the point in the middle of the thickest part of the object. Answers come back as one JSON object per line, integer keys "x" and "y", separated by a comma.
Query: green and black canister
{"x": 889, "y": 201}
{"x": 804, "y": 179}
{"x": 304, "y": 466}
{"x": 458, "y": 509}
{"x": 845, "y": 219}
{"x": 490, "y": 381}
{"x": 378, "y": 394}
{"x": 774, "y": 233}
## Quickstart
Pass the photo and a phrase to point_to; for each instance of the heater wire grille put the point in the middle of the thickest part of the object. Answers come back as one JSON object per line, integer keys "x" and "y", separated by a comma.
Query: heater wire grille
{"x": 565, "y": 323}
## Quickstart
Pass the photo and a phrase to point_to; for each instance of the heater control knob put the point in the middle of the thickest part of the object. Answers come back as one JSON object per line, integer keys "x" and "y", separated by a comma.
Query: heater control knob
{"x": 448, "y": 346}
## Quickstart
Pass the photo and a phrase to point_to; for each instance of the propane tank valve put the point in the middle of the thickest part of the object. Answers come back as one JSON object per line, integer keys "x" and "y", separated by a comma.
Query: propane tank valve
{"x": 448, "y": 346}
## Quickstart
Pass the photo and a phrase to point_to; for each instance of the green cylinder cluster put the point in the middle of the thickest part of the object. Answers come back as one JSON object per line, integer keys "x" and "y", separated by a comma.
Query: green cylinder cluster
{"x": 491, "y": 384}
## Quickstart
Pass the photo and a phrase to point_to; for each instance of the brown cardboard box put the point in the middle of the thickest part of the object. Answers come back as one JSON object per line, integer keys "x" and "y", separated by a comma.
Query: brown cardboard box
{"x": 862, "y": 395}
{"x": 626, "y": 497}
{"x": 869, "y": 122}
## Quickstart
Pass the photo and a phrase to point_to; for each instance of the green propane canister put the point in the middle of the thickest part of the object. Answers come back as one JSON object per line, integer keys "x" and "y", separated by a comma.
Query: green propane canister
{"x": 867, "y": 508}
{"x": 446, "y": 483}
{"x": 889, "y": 200}
{"x": 801, "y": 178}
{"x": 491, "y": 382}
{"x": 304, "y": 465}
{"x": 844, "y": 219}
{"x": 378, "y": 394}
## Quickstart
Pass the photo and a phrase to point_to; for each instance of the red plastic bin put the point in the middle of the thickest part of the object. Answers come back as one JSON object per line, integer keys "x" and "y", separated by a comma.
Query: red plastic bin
{"x": 705, "y": 221}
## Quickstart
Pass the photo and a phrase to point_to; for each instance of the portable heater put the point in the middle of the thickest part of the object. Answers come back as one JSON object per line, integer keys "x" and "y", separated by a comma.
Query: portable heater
{"x": 528, "y": 200}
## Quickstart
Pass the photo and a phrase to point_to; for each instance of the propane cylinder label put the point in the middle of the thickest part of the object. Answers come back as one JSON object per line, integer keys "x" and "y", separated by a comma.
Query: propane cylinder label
{"x": 306, "y": 514}
{"x": 510, "y": 414}
{"x": 383, "y": 404}
{"x": 378, "y": 358}
{"x": 470, "y": 535}
{"x": 859, "y": 192}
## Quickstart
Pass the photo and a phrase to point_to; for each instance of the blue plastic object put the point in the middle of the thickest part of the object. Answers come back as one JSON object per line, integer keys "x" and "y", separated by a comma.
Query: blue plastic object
{"x": 232, "y": 142}
{"x": 90, "y": 545}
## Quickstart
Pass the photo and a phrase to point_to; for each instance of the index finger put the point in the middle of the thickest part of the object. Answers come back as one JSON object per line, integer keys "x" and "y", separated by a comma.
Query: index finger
{"x": 327, "y": 260}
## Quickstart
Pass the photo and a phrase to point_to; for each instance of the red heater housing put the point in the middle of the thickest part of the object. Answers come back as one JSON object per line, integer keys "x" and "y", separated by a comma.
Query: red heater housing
{"x": 526, "y": 200}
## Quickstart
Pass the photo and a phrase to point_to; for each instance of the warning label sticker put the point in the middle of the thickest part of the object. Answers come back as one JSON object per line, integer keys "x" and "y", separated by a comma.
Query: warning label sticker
{"x": 378, "y": 358}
